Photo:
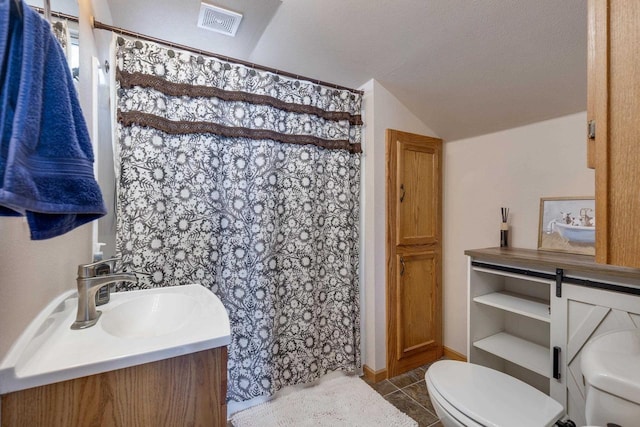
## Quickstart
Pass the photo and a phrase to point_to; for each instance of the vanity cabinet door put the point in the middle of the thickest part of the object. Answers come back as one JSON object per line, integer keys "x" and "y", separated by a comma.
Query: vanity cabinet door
{"x": 188, "y": 390}
{"x": 614, "y": 117}
{"x": 587, "y": 313}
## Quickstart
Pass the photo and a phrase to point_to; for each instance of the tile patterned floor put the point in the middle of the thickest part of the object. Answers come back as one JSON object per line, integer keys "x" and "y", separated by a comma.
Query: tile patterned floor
{"x": 408, "y": 392}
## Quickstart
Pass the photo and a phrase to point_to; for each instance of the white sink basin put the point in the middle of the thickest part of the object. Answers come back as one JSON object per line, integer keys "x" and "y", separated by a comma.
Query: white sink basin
{"x": 136, "y": 327}
{"x": 149, "y": 315}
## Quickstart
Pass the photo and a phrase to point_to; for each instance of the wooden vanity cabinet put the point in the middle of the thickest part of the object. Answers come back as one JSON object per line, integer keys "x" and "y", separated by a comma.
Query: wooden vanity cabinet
{"x": 613, "y": 114}
{"x": 188, "y": 390}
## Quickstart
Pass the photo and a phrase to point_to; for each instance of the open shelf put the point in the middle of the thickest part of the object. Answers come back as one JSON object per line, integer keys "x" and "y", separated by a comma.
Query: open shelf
{"x": 521, "y": 352}
{"x": 508, "y": 274}
{"x": 516, "y": 303}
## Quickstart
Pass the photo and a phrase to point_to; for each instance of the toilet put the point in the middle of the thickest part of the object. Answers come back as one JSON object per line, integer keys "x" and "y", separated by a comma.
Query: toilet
{"x": 611, "y": 369}
{"x": 468, "y": 395}
{"x": 464, "y": 394}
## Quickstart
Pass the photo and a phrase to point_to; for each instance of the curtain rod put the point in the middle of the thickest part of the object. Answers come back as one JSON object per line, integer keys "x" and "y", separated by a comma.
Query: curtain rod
{"x": 56, "y": 14}
{"x": 47, "y": 10}
{"x": 100, "y": 26}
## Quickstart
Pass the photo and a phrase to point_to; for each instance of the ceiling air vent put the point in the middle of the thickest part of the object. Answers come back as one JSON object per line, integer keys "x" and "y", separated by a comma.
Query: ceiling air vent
{"x": 217, "y": 19}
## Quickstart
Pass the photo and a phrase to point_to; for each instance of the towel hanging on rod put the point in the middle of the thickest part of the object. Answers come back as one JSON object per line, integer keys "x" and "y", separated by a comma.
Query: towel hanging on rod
{"x": 47, "y": 162}
{"x": 18, "y": 7}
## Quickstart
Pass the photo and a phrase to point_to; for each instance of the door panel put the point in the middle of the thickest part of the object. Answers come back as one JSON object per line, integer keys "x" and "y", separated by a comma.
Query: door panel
{"x": 614, "y": 106}
{"x": 418, "y": 194}
{"x": 416, "y": 303}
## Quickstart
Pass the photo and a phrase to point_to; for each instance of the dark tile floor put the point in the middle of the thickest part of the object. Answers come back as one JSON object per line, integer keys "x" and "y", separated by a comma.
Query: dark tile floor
{"x": 408, "y": 392}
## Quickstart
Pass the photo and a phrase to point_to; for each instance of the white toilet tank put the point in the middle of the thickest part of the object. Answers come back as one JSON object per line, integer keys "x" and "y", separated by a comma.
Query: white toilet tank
{"x": 611, "y": 368}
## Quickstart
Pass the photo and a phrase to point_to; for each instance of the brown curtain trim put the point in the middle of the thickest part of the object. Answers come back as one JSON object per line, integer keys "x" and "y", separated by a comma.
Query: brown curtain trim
{"x": 128, "y": 80}
{"x": 185, "y": 127}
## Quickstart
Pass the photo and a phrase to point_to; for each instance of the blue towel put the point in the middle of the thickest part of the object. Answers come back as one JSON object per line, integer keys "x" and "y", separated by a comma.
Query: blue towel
{"x": 46, "y": 158}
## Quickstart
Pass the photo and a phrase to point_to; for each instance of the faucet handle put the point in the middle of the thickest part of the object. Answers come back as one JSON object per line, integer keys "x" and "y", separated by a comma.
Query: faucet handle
{"x": 97, "y": 268}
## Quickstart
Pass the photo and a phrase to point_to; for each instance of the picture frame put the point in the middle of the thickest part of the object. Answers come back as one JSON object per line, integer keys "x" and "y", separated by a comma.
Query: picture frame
{"x": 567, "y": 224}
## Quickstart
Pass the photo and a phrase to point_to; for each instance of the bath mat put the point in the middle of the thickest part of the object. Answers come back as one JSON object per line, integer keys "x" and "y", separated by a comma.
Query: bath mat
{"x": 343, "y": 401}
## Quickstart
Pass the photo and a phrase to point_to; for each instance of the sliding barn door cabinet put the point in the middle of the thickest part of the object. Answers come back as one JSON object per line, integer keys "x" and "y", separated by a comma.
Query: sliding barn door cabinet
{"x": 531, "y": 313}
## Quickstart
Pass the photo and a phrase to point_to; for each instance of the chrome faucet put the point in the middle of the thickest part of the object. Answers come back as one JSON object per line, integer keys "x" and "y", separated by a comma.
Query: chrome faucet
{"x": 92, "y": 277}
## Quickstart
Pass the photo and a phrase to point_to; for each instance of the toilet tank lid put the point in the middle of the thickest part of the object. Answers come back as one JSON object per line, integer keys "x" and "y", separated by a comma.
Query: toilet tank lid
{"x": 611, "y": 363}
{"x": 490, "y": 397}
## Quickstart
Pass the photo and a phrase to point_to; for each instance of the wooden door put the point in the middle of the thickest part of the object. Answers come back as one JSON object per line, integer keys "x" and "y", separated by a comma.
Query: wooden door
{"x": 414, "y": 243}
{"x": 614, "y": 109}
{"x": 416, "y": 305}
{"x": 418, "y": 177}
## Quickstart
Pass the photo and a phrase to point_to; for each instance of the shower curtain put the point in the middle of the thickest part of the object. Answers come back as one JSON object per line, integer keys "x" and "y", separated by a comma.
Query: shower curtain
{"x": 61, "y": 32}
{"x": 247, "y": 183}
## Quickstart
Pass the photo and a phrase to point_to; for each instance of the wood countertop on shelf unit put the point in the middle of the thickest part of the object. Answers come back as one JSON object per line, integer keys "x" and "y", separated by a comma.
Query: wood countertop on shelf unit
{"x": 533, "y": 258}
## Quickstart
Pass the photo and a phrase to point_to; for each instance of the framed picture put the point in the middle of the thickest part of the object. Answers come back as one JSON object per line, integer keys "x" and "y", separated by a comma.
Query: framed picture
{"x": 567, "y": 224}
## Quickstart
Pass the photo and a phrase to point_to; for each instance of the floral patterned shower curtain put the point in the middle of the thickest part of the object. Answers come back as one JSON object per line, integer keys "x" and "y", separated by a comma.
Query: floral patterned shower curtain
{"x": 61, "y": 32}
{"x": 247, "y": 183}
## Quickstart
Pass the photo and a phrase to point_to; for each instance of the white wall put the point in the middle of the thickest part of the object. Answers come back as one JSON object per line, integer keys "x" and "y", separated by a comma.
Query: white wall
{"x": 513, "y": 168}
{"x": 32, "y": 273}
{"x": 381, "y": 111}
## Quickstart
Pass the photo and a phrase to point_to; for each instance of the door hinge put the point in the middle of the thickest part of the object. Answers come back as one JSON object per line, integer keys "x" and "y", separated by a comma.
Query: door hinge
{"x": 591, "y": 129}
{"x": 402, "y": 195}
{"x": 402, "y": 266}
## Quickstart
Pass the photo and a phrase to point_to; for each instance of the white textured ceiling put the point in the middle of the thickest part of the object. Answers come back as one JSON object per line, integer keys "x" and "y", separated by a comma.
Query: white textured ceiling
{"x": 465, "y": 67}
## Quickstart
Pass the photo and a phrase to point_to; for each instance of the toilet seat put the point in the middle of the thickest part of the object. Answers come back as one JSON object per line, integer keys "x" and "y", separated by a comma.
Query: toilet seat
{"x": 449, "y": 416}
{"x": 487, "y": 397}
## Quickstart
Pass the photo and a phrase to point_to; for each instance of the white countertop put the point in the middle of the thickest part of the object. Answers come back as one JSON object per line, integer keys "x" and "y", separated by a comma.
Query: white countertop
{"x": 48, "y": 351}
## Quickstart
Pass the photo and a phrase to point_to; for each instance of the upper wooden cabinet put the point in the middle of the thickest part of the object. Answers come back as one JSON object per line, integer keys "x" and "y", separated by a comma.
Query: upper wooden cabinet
{"x": 417, "y": 188}
{"x": 614, "y": 112}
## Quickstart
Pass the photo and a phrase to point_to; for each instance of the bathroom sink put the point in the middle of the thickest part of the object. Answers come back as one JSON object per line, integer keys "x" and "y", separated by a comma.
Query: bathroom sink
{"x": 149, "y": 315}
{"x": 136, "y": 327}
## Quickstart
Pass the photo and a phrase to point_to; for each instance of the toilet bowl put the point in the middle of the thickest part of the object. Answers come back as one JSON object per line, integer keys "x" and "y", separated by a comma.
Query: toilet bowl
{"x": 464, "y": 394}
{"x": 468, "y": 395}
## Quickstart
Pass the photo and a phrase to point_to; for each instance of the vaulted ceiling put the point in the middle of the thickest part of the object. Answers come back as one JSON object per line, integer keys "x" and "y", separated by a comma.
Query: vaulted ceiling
{"x": 464, "y": 67}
